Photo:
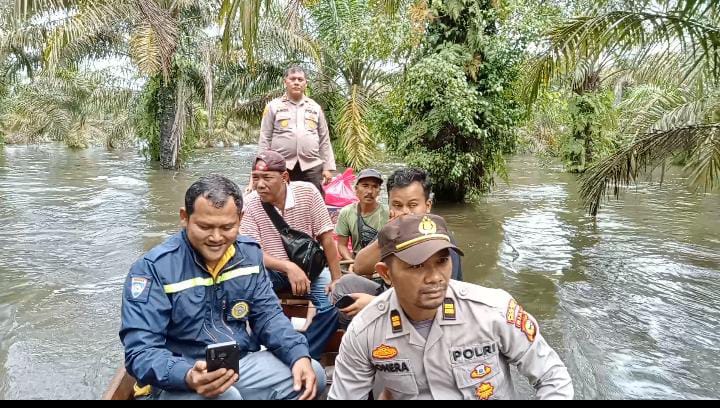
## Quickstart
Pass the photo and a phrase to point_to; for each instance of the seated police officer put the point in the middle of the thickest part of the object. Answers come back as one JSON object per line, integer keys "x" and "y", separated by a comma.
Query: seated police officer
{"x": 205, "y": 285}
{"x": 429, "y": 337}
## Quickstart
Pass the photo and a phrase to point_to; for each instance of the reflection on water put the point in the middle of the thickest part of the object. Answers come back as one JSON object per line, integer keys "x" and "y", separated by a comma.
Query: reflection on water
{"x": 628, "y": 301}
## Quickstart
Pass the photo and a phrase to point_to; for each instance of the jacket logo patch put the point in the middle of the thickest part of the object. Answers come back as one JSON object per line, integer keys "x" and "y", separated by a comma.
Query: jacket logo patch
{"x": 240, "y": 310}
{"x": 137, "y": 286}
{"x": 484, "y": 391}
{"x": 384, "y": 352}
{"x": 480, "y": 371}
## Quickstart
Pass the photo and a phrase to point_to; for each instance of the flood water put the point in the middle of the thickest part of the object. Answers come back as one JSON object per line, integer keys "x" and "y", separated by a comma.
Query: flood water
{"x": 629, "y": 301}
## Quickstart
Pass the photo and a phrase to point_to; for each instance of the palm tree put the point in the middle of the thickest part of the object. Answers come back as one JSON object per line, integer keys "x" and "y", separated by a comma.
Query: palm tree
{"x": 662, "y": 32}
{"x": 156, "y": 28}
{"x": 77, "y": 108}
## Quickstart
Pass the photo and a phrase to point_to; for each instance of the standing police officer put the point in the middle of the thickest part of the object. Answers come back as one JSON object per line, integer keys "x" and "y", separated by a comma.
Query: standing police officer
{"x": 295, "y": 126}
{"x": 432, "y": 338}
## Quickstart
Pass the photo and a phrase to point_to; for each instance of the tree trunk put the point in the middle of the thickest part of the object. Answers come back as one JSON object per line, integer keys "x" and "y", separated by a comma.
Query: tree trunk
{"x": 168, "y": 144}
{"x": 588, "y": 147}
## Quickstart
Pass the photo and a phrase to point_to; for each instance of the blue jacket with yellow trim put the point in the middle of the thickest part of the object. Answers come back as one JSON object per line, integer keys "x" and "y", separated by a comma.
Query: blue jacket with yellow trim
{"x": 172, "y": 309}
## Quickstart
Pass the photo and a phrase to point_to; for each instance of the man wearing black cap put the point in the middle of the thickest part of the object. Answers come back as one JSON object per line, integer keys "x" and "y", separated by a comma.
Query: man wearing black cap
{"x": 361, "y": 221}
{"x": 432, "y": 338}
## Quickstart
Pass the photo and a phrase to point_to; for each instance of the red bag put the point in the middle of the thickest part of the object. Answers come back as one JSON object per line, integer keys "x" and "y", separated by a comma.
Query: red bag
{"x": 339, "y": 192}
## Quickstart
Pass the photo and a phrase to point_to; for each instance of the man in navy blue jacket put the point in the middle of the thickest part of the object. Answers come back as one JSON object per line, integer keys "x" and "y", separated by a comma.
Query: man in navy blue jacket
{"x": 206, "y": 285}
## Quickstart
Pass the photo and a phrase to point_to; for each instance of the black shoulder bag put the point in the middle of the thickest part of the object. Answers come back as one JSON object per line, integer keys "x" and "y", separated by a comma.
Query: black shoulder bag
{"x": 301, "y": 248}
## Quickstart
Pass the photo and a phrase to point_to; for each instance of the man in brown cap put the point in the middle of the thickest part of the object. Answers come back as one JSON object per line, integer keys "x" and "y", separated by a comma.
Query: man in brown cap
{"x": 432, "y": 338}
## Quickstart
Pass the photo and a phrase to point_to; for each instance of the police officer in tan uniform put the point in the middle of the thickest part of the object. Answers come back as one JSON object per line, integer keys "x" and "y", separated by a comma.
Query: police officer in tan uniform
{"x": 295, "y": 126}
{"x": 430, "y": 337}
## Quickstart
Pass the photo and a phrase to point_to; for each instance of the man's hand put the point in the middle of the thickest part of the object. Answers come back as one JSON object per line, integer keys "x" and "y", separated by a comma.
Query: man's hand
{"x": 304, "y": 378}
{"x": 361, "y": 300}
{"x": 299, "y": 281}
{"x": 331, "y": 287}
{"x": 209, "y": 384}
{"x": 327, "y": 176}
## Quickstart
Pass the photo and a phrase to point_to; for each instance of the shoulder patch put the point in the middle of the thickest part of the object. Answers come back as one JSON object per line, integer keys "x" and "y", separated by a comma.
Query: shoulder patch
{"x": 138, "y": 288}
{"x": 518, "y": 317}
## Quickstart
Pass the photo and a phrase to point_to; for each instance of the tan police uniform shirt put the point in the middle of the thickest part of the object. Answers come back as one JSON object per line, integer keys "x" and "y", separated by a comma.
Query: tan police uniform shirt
{"x": 476, "y": 335}
{"x": 298, "y": 131}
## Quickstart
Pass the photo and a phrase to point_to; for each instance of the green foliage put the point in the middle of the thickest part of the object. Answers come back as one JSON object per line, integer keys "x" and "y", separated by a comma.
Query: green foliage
{"x": 593, "y": 125}
{"x": 662, "y": 57}
{"x": 79, "y": 108}
{"x": 453, "y": 114}
{"x": 147, "y": 118}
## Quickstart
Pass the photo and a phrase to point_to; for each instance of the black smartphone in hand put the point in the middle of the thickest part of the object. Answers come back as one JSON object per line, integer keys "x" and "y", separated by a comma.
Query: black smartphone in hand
{"x": 223, "y": 355}
{"x": 344, "y": 302}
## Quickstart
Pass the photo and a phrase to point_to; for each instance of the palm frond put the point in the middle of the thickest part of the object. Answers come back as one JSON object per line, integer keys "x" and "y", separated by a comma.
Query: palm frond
{"x": 248, "y": 13}
{"x": 165, "y": 32}
{"x": 145, "y": 50}
{"x": 82, "y": 27}
{"x": 356, "y": 138}
{"x": 624, "y": 32}
{"x": 291, "y": 40}
{"x": 704, "y": 163}
{"x": 619, "y": 170}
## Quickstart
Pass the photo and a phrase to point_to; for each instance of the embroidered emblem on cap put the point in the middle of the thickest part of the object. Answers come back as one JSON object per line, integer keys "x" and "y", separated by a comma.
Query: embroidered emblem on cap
{"x": 427, "y": 226}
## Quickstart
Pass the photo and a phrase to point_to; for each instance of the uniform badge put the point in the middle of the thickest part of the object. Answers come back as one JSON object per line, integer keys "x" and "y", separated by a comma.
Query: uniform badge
{"x": 521, "y": 319}
{"x": 529, "y": 328}
{"x": 396, "y": 321}
{"x": 511, "y": 311}
{"x": 137, "y": 286}
{"x": 310, "y": 124}
{"x": 384, "y": 352}
{"x": 427, "y": 226}
{"x": 480, "y": 371}
{"x": 448, "y": 309}
{"x": 240, "y": 310}
{"x": 484, "y": 391}
{"x": 284, "y": 123}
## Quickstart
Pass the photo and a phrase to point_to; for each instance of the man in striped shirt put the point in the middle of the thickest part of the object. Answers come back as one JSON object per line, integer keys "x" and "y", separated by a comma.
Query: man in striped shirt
{"x": 303, "y": 209}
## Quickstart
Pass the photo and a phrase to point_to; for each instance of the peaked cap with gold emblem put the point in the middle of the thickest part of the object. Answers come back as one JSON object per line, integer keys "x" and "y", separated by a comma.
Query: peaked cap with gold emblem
{"x": 414, "y": 238}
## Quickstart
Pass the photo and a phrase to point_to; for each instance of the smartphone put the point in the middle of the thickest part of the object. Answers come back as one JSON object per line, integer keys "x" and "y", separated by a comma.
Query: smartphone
{"x": 223, "y": 355}
{"x": 344, "y": 302}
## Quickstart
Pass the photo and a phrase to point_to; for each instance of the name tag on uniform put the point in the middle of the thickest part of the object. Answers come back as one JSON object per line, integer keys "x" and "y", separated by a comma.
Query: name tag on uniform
{"x": 475, "y": 352}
